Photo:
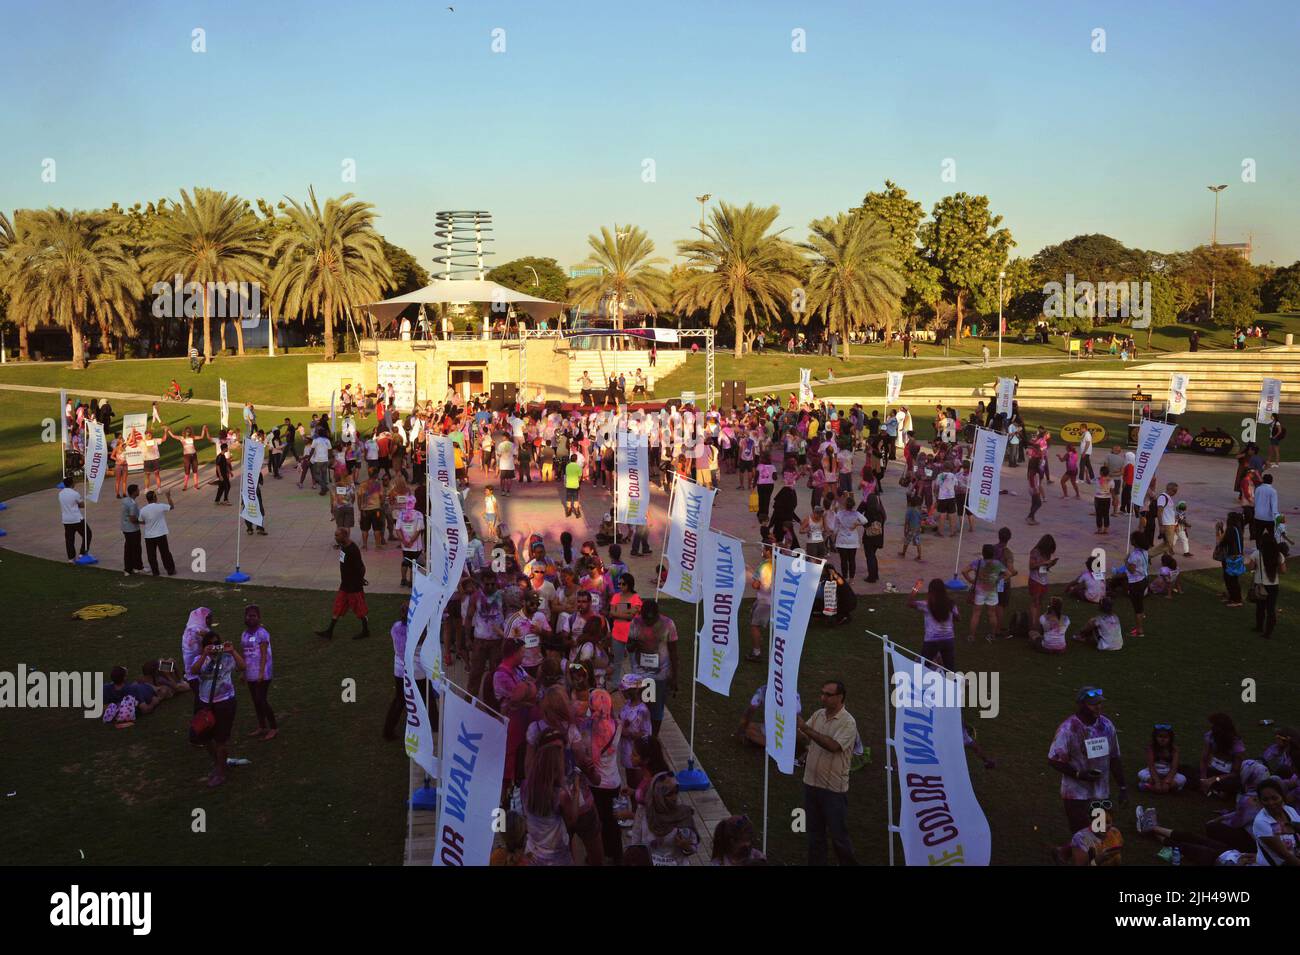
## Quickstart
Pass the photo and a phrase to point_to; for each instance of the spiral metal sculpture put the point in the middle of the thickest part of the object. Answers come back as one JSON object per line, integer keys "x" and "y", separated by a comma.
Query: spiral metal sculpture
{"x": 461, "y": 238}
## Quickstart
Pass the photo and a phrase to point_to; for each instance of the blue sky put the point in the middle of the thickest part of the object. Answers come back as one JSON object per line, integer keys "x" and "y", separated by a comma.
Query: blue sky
{"x": 551, "y": 135}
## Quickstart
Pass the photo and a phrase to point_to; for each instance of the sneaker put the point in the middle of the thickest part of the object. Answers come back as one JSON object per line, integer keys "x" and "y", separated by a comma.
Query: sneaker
{"x": 1149, "y": 820}
{"x": 1140, "y": 813}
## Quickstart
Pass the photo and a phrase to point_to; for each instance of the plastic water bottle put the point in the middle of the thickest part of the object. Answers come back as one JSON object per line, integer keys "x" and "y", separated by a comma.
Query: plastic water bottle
{"x": 1178, "y": 856}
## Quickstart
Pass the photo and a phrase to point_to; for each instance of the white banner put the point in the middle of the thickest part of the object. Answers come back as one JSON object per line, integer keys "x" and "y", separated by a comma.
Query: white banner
{"x": 473, "y": 763}
{"x": 133, "y": 429}
{"x": 1270, "y": 400}
{"x": 805, "y": 385}
{"x": 441, "y": 456}
{"x": 688, "y": 526}
{"x": 1153, "y": 438}
{"x": 722, "y": 568}
{"x": 1177, "y": 400}
{"x": 225, "y": 405}
{"x": 447, "y": 552}
{"x": 632, "y": 458}
{"x": 250, "y": 508}
{"x": 333, "y": 429}
{"x": 893, "y": 386}
{"x": 986, "y": 473}
{"x": 1005, "y": 395}
{"x": 419, "y": 731}
{"x": 796, "y": 579}
{"x": 96, "y": 459}
{"x": 63, "y": 417}
{"x": 940, "y": 821}
{"x": 401, "y": 374}
{"x": 349, "y": 430}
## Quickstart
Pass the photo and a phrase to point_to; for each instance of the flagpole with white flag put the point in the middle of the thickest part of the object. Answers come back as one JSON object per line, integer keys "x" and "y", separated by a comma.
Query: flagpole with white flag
{"x": 250, "y": 508}
{"x": 86, "y": 558}
{"x": 983, "y": 490}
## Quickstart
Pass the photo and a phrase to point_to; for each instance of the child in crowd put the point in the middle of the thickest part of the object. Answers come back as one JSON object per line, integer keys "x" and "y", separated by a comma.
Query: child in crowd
{"x": 1161, "y": 775}
{"x": 1165, "y": 583}
{"x": 912, "y": 526}
{"x": 1089, "y": 585}
{"x": 1104, "y": 630}
{"x": 1184, "y": 528}
{"x": 490, "y": 508}
{"x": 1052, "y": 625}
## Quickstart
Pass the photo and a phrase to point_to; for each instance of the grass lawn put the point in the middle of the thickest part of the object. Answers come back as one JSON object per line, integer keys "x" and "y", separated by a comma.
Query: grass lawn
{"x": 274, "y": 381}
{"x": 28, "y": 464}
{"x": 327, "y": 791}
{"x": 1191, "y": 663}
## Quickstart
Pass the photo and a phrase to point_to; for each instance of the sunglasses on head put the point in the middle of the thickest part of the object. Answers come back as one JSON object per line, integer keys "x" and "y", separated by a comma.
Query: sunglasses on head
{"x": 1091, "y": 695}
{"x": 1163, "y": 726}
{"x": 1099, "y": 804}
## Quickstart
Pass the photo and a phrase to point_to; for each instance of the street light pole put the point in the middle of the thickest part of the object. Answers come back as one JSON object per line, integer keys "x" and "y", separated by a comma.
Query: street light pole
{"x": 1001, "y": 276}
{"x": 1214, "y": 242}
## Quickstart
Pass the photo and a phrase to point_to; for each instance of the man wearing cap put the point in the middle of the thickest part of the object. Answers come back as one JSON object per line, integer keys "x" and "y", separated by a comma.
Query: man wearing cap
{"x": 1085, "y": 751}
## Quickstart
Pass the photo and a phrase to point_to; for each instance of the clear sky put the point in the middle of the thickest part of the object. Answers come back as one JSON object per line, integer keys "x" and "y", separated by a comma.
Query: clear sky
{"x": 551, "y": 135}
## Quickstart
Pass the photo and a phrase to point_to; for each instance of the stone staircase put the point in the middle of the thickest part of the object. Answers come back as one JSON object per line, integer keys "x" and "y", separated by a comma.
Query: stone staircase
{"x": 1217, "y": 381}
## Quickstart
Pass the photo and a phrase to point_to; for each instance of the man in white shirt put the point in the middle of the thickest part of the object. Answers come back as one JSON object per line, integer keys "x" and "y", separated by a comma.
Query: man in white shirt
{"x": 72, "y": 511}
{"x": 946, "y": 496}
{"x": 1167, "y": 509}
{"x": 154, "y": 518}
{"x": 320, "y": 461}
{"x": 1266, "y": 508}
{"x": 506, "y": 464}
{"x": 1085, "y": 458}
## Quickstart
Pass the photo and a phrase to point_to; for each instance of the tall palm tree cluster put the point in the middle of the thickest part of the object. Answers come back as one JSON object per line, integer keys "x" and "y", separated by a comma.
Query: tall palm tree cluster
{"x": 740, "y": 271}
{"x": 94, "y": 272}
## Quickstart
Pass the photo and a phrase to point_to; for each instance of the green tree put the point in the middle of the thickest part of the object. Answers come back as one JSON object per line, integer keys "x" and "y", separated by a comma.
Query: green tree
{"x": 744, "y": 270}
{"x": 533, "y": 275}
{"x": 964, "y": 242}
{"x": 211, "y": 237}
{"x": 630, "y": 276}
{"x": 408, "y": 274}
{"x": 1280, "y": 292}
{"x": 327, "y": 261}
{"x": 902, "y": 217}
{"x": 854, "y": 278}
{"x": 67, "y": 268}
{"x": 1213, "y": 271}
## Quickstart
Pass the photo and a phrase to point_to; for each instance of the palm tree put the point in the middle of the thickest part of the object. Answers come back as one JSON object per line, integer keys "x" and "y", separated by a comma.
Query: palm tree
{"x": 68, "y": 268}
{"x": 747, "y": 270}
{"x": 327, "y": 260}
{"x": 210, "y": 238}
{"x": 629, "y": 274}
{"x": 853, "y": 278}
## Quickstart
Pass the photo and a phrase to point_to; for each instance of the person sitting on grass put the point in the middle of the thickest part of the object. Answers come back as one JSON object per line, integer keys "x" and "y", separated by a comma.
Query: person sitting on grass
{"x": 1161, "y": 775}
{"x": 1050, "y": 637}
{"x": 160, "y": 676}
{"x": 968, "y": 739}
{"x": 1104, "y": 631}
{"x": 123, "y": 701}
{"x": 1192, "y": 849}
{"x": 1089, "y": 585}
{"x": 1165, "y": 583}
{"x": 1101, "y": 846}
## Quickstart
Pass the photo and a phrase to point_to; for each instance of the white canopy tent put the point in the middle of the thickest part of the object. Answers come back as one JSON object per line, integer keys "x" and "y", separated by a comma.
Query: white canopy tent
{"x": 458, "y": 291}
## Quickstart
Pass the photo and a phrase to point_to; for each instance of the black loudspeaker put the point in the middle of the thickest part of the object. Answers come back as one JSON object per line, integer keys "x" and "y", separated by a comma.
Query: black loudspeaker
{"x": 673, "y": 403}
{"x": 733, "y": 395}
{"x": 504, "y": 395}
{"x": 552, "y": 407}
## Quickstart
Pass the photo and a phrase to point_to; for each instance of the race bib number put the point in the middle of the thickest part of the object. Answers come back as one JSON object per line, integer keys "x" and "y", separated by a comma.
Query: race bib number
{"x": 532, "y": 641}
{"x": 1096, "y": 746}
{"x": 650, "y": 661}
{"x": 341, "y": 556}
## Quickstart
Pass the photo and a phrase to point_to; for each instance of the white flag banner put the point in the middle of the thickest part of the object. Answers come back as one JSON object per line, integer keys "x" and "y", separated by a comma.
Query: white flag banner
{"x": 250, "y": 508}
{"x": 96, "y": 459}
{"x": 688, "y": 526}
{"x": 1153, "y": 438}
{"x": 796, "y": 578}
{"x": 986, "y": 473}
{"x": 333, "y": 428}
{"x": 893, "y": 386}
{"x": 441, "y": 455}
{"x": 1270, "y": 400}
{"x": 225, "y": 405}
{"x": 63, "y": 417}
{"x": 805, "y": 385}
{"x": 722, "y": 568}
{"x": 448, "y": 540}
{"x": 349, "y": 430}
{"x": 419, "y": 731}
{"x": 940, "y": 821}
{"x": 1006, "y": 394}
{"x": 133, "y": 428}
{"x": 632, "y": 458}
{"x": 473, "y": 764}
{"x": 1177, "y": 400}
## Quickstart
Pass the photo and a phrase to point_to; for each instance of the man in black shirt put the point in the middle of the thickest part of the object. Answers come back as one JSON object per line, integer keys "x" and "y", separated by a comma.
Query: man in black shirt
{"x": 352, "y": 583}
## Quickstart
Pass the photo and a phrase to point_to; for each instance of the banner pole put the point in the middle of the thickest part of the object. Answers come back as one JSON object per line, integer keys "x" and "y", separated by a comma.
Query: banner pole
{"x": 86, "y": 557}
{"x": 889, "y": 752}
{"x": 957, "y": 583}
{"x": 663, "y": 543}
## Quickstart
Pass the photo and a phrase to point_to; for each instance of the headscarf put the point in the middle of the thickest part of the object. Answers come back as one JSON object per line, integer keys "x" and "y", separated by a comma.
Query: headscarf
{"x": 660, "y": 818}
{"x": 1253, "y": 772}
{"x": 192, "y": 639}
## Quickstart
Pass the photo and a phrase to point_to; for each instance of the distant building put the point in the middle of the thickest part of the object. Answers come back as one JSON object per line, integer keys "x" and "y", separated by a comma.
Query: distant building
{"x": 1243, "y": 249}
{"x": 578, "y": 271}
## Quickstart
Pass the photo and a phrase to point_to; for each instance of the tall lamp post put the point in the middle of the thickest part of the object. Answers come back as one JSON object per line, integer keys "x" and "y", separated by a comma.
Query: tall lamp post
{"x": 1001, "y": 276}
{"x": 1214, "y": 241}
{"x": 702, "y": 200}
